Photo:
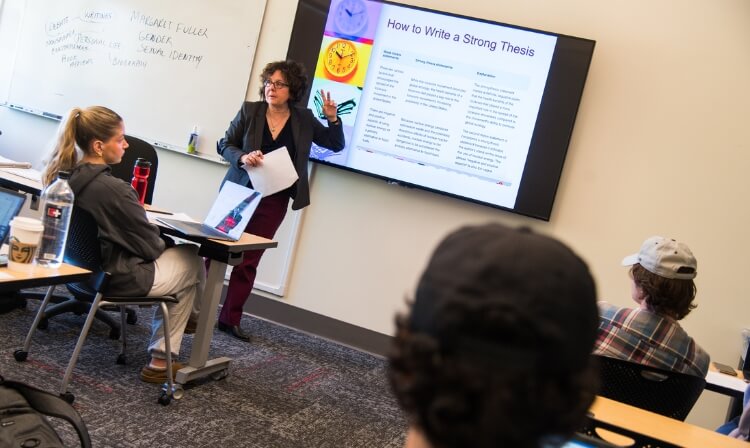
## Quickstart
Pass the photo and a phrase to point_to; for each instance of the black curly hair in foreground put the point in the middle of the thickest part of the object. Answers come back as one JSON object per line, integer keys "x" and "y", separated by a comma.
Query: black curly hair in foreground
{"x": 462, "y": 400}
{"x": 495, "y": 349}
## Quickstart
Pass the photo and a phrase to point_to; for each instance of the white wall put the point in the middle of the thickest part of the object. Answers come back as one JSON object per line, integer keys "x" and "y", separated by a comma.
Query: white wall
{"x": 660, "y": 147}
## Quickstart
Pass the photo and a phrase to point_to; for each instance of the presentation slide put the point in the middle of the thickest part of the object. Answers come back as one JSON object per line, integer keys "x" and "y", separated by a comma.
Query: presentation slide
{"x": 438, "y": 101}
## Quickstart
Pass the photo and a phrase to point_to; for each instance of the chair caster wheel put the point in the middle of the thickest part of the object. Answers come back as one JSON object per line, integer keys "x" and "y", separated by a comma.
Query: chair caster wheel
{"x": 220, "y": 375}
{"x": 114, "y": 333}
{"x": 131, "y": 317}
{"x": 121, "y": 359}
{"x": 67, "y": 396}
{"x": 20, "y": 355}
{"x": 164, "y": 399}
{"x": 43, "y": 324}
{"x": 178, "y": 392}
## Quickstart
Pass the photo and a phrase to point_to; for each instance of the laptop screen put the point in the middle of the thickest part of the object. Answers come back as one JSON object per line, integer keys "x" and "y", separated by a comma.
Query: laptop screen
{"x": 10, "y": 204}
{"x": 232, "y": 209}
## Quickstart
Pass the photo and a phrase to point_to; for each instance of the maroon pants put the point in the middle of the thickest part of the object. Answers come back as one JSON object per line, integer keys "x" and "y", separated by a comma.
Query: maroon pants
{"x": 265, "y": 222}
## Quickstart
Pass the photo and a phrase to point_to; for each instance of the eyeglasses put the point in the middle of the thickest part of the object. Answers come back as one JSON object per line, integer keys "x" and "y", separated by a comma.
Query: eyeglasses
{"x": 275, "y": 84}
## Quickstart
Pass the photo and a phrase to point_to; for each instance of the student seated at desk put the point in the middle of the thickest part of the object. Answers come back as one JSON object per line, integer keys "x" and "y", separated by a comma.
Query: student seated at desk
{"x": 495, "y": 350}
{"x": 662, "y": 274}
{"x": 141, "y": 261}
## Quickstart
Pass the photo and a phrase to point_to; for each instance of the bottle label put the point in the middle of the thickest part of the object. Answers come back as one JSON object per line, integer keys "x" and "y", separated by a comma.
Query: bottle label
{"x": 54, "y": 212}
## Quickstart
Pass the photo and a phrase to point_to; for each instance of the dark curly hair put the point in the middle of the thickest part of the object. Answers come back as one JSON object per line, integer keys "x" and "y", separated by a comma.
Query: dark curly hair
{"x": 461, "y": 400}
{"x": 665, "y": 296}
{"x": 495, "y": 349}
{"x": 294, "y": 73}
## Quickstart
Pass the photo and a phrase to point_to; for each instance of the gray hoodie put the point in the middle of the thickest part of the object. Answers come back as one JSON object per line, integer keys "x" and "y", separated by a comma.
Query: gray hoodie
{"x": 129, "y": 243}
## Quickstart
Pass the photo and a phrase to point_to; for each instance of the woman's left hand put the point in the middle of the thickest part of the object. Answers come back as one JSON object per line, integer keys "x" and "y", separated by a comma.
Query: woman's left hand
{"x": 253, "y": 158}
{"x": 329, "y": 106}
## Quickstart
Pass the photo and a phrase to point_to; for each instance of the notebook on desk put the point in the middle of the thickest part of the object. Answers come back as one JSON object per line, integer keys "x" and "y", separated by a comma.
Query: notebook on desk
{"x": 228, "y": 217}
{"x": 10, "y": 205}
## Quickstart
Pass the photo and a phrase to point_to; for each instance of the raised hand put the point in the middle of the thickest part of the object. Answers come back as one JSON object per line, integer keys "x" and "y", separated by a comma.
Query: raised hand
{"x": 329, "y": 106}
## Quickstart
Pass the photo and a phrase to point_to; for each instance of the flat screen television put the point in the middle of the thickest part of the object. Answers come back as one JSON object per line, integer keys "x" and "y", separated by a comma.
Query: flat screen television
{"x": 470, "y": 108}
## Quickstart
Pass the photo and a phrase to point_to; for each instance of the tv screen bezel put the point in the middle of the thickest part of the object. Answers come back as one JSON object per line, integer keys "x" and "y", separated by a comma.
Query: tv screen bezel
{"x": 555, "y": 121}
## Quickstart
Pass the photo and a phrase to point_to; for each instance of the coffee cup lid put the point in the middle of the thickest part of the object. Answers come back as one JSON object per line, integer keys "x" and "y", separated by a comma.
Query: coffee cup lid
{"x": 30, "y": 224}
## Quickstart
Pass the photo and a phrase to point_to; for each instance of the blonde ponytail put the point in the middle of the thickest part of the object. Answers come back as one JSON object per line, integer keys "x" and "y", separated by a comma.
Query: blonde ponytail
{"x": 81, "y": 127}
{"x": 63, "y": 156}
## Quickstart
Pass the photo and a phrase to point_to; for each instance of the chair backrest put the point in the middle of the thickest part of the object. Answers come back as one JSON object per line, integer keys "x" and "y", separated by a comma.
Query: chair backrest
{"x": 82, "y": 249}
{"x": 124, "y": 169}
{"x": 592, "y": 427}
{"x": 664, "y": 392}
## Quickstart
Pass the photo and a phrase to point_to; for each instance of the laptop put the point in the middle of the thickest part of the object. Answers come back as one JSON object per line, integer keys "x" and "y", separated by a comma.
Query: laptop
{"x": 227, "y": 218}
{"x": 10, "y": 205}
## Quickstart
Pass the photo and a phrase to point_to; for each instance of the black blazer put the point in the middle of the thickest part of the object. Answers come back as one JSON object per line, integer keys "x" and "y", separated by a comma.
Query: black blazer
{"x": 245, "y": 134}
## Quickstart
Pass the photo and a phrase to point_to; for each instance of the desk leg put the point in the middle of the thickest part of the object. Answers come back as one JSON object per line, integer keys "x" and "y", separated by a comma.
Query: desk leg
{"x": 199, "y": 365}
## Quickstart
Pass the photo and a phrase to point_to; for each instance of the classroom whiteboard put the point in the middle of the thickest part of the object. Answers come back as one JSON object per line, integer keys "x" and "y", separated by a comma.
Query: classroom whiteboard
{"x": 164, "y": 66}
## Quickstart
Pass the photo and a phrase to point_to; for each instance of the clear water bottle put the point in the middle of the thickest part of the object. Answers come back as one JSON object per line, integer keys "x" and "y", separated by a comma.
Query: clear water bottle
{"x": 57, "y": 206}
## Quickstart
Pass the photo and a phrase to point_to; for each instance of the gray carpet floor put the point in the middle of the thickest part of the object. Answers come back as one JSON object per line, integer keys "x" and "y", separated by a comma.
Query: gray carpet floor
{"x": 284, "y": 389}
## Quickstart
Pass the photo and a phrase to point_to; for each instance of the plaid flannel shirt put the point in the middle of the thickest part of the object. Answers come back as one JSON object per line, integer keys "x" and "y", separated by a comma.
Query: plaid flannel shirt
{"x": 644, "y": 337}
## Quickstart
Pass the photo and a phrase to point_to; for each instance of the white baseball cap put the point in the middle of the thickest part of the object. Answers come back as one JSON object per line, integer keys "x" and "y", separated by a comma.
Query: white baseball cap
{"x": 665, "y": 257}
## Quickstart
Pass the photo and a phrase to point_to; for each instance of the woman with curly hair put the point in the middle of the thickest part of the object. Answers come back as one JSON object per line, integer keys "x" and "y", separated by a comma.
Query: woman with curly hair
{"x": 662, "y": 274}
{"x": 259, "y": 128}
{"x": 495, "y": 350}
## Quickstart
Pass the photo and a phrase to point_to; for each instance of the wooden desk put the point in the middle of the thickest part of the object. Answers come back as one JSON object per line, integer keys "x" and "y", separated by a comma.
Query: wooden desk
{"x": 221, "y": 253}
{"x": 26, "y": 180}
{"x": 40, "y": 276}
{"x": 659, "y": 426}
{"x": 734, "y": 386}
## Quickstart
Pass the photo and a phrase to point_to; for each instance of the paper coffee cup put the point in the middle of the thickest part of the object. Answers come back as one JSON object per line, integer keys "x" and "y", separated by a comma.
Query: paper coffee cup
{"x": 25, "y": 234}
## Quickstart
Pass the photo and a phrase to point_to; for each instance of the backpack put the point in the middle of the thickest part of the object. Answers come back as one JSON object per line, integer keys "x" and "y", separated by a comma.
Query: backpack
{"x": 22, "y": 417}
{"x": 11, "y": 301}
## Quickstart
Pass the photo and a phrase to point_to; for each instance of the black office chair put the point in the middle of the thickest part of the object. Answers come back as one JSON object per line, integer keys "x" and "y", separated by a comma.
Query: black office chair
{"x": 123, "y": 170}
{"x": 138, "y": 149}
{"x": 592, "y": 426}
{"x": 664, "y": 392}
{"x": 82, "y": 250}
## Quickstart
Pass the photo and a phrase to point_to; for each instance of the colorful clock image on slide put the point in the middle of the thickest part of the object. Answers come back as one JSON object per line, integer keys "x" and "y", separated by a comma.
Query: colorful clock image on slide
{"x": 343, "y": 61}
{"x": 340, "y": 59}
{"x": 350, "y": 17}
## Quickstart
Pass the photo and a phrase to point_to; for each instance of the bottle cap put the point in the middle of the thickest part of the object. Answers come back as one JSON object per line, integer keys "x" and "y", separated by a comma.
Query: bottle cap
{"x": 195, "y": 129}
{"x": 63, "y": 174}
{"x": 142, "y": 162}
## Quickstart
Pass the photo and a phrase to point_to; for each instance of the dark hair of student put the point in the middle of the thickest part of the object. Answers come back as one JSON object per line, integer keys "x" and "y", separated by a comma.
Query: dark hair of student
{"x": 666, "y": 296}
{"x": 460, "y": 404}
{"x": 495, "y": 349}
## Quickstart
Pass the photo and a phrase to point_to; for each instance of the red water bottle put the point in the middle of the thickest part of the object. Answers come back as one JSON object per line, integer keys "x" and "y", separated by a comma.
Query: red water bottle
{"x": 141, "y": 171}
